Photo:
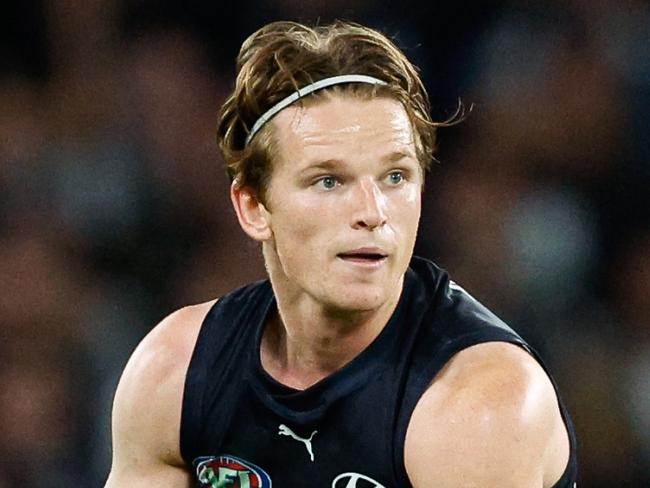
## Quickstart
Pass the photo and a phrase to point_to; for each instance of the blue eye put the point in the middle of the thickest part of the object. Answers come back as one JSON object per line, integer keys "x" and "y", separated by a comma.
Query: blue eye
{"x": 328, "y": 182}
{"x": 395, "y": 177}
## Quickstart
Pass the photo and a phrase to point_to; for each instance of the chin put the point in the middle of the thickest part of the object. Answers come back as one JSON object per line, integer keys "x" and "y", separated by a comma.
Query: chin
{"x": 358, "y": 298}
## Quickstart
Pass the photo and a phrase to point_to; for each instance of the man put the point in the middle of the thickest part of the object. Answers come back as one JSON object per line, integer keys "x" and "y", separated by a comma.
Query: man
{"x": 355, "y": 364}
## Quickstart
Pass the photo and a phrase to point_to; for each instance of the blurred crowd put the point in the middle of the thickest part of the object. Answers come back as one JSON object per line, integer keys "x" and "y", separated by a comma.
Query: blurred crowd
{"x": 114, "y": 206}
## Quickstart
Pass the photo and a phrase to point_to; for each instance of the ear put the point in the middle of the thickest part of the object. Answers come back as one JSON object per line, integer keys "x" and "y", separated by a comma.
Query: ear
{"x": 251, "y": 213}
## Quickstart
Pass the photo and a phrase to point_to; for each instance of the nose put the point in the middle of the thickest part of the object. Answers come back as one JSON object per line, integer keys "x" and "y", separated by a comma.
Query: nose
{"x": 370, "y": 206}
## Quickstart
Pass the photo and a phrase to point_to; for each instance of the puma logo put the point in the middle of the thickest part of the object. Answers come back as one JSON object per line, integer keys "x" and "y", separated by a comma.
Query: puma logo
{"x": 284, "y": 430}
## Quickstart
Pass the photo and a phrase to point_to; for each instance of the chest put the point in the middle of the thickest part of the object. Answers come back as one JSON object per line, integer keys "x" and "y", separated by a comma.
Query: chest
{"x": 348, "y": 442}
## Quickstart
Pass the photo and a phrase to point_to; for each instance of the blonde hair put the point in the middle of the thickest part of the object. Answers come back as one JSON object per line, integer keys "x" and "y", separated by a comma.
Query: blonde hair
{"x": 282, "y": 57}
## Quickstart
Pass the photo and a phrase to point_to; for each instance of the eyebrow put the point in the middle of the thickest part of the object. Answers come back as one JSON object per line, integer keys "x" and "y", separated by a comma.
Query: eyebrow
{"x": 397, "y": 155}
{"x": 327, "y": 164}
{"x": 330, "y": 164}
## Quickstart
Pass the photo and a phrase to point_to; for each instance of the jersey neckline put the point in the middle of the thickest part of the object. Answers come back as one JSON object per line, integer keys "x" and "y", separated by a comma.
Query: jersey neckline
{"x": 306, "y": 406}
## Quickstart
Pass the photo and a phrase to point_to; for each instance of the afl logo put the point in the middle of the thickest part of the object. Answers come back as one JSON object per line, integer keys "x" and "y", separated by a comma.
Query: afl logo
{"x": 229, "y": 472}
{"x": 355, "y": 480}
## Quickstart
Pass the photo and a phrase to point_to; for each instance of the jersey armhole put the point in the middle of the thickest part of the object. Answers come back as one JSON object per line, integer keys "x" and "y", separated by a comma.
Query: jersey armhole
{"x": 426, "y": 376}
{"x": 192, "y": 411}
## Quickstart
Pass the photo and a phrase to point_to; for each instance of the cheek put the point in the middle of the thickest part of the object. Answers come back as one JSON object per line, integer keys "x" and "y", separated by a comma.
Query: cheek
{"x": 408, "y": 208}
{"x": 413, "y": 195}
{"x": 299, "y": 232}
{"x": 310, "y": 215}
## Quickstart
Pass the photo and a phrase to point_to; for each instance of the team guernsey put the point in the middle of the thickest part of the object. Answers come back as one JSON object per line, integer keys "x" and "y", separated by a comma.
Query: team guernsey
{"x": 241, "y": 428}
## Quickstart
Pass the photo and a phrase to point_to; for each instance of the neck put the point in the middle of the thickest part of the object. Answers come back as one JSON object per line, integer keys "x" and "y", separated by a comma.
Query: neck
{"x": 307, "y": 341}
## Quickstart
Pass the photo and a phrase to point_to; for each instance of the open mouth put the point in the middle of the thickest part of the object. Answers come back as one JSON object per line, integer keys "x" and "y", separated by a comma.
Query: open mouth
{"x": 363, "y": 257}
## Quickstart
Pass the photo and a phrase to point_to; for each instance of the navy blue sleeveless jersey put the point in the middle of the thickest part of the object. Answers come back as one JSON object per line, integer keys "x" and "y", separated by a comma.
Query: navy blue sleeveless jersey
{"x": 241, "y": 428}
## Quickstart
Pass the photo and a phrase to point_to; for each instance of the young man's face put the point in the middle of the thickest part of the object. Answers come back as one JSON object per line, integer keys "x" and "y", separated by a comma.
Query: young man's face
{"x": 344, "y": 201}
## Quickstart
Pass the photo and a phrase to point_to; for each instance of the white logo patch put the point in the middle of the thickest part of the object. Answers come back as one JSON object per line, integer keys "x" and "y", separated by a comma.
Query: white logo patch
{"x": 350, "y": 480}
{"x": 284, "y": 430}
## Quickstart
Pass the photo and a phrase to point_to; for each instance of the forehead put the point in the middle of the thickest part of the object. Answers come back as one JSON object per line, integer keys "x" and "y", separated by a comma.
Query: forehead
{"x": 340, "y": 126}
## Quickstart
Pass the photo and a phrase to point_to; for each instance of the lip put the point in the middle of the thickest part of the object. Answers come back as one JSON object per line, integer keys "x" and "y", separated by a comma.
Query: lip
{"x": 366, "y": 257}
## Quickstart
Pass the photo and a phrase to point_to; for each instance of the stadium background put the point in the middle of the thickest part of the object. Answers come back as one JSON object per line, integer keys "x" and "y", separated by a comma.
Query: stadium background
{"x": 114, "y": 207}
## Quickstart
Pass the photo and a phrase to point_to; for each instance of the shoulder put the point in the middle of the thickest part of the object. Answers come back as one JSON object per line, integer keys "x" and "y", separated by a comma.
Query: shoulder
{"x": 490, "y": 418}
{"x": 147, "y": 405}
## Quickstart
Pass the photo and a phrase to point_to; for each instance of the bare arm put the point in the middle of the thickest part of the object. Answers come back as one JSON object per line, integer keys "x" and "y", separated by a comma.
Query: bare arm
{"x": 491, "y": 419}
{"x": 147, "y": 406}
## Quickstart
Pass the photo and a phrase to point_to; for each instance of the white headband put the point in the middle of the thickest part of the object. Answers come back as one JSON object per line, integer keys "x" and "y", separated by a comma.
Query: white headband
{"x": 306, "y": 90}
